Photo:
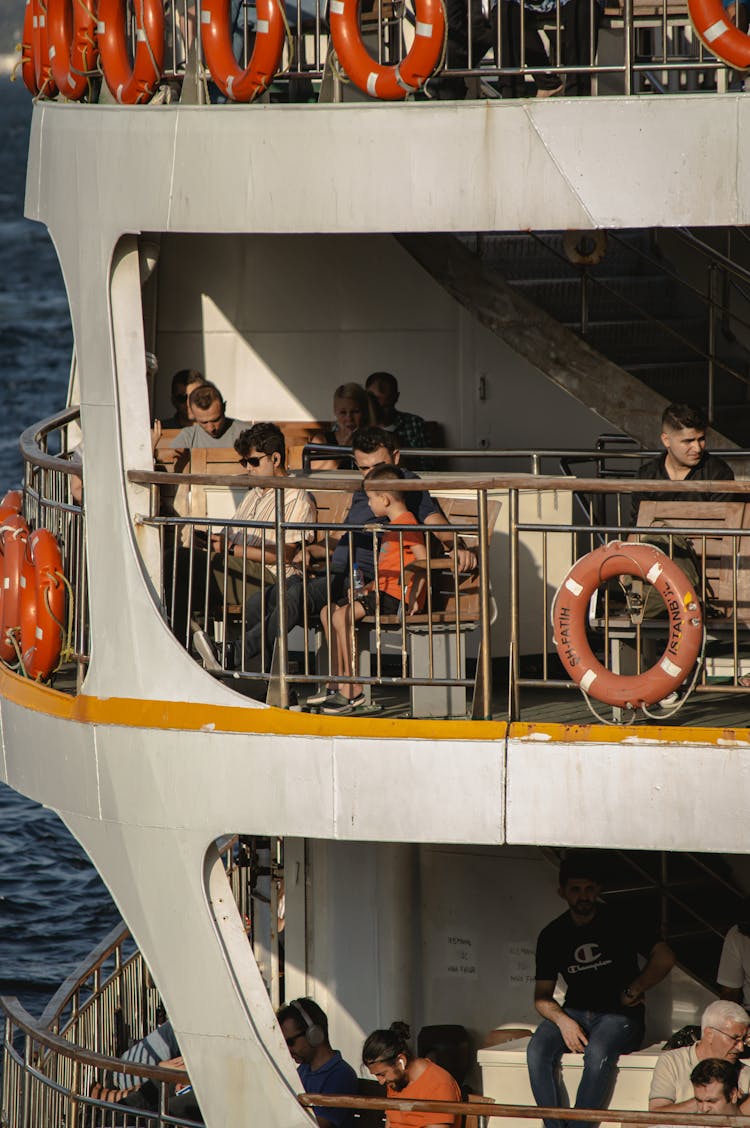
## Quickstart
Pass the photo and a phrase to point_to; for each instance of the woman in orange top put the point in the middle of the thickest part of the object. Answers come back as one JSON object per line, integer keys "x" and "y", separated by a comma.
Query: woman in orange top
{"x": 387, "y": 1055}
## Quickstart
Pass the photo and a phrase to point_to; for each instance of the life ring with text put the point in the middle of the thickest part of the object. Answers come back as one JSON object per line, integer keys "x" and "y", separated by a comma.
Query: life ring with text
{"x": 719, "y": 34}
{"x": 684, "y": 624}
{"x": 42, "y": 605}
{"x": 73, "y": 49}
{"x": 136, "y": 82}
{"x": 391, "y": 83}
{"x": 216, "y": 35}
{"x": 14, "y": 533}
{"x": 585, "y": 248}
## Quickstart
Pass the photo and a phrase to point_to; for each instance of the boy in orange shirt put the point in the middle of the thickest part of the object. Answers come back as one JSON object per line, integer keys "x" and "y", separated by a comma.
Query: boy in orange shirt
{"x": 385, "y": 591}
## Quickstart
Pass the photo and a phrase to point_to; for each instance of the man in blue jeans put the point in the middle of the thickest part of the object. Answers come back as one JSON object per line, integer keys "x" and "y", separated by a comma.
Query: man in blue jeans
{"x": 595, "y": 950}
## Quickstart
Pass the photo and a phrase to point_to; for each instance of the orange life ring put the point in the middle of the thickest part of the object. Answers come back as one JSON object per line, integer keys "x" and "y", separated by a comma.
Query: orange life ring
{"x": 216, "y": 36}
{"x": 11, "y": 502}
{"x": 42, "y": 605}
{"x": 719, "y": 34}
{"x": 27, "y": 50}
{"x": 134, "y": 83}
{"x": 14, "y": 533}
{"x": 73, "y": 50}
{"x": 35, "y": 63}
{"x": 391, "y": 83}
{"x": 685, "y": 624}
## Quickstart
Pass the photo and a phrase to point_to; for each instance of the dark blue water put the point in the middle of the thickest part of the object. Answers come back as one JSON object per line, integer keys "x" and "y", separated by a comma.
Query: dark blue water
{"x": 53, "y": 907}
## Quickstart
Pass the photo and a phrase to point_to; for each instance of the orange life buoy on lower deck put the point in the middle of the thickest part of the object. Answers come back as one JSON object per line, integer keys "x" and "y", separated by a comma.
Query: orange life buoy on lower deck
{"x": 391, "y": 83}
{"x": 684, "y": 624}
{"x": 73, "y": 50}
{"x": 11, "y": 502}
{"x": 723, "y": 38}
{"x": 137, "y": 82}
{"x": 216, "y": 36}
{"x": 14, "y": 533}
{"x": 42, "y": 605}
{"x": 35, "y": 61}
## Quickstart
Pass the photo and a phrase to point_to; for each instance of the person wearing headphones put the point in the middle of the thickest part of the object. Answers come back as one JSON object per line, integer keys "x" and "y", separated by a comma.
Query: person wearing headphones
{"x": 321, "y": 1069}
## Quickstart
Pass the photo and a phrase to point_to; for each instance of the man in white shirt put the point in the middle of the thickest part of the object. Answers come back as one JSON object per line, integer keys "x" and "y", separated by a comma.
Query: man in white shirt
{"x": 248, "y": 558}
{"x": 724, "y": 1031}
{"x": 733, "y": 976}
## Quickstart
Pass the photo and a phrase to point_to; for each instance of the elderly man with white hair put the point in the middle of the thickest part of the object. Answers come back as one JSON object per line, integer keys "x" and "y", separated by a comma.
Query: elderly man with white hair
{"x": 724, "y": 1030}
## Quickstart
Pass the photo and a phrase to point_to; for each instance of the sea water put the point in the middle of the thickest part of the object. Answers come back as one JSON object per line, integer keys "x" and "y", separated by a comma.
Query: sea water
{"x": 53, "y": 907}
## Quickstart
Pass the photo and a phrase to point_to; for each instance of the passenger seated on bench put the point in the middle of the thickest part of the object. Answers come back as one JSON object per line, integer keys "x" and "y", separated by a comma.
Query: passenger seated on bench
{"x": 685, "y": 459}
{"x": 397, "y": 551}
{"x": 724, "y": 1030}
{"x": 372, "y": 447}
{"x": 716, "y": 1087}
{"x": 251, "y": 556}
{"x": 595, "y": 949}
{"x": 321, "y": 1069}
{"x": 212, "y": 427}
{"x": 183, "y": 383}
{"x": 352, "y": 409}
{"x": 157, "y": 1048}
{"x": 387, "y": 1055}
{"x": 408, "y": 428}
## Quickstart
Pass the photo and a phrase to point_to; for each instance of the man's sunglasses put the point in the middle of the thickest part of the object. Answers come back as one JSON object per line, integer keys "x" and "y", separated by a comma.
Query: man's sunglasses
{"x": 253, "y": 460}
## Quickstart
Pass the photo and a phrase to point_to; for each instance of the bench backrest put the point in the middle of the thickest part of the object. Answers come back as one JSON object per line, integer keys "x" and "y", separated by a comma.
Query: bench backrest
{"x": 725, "y": 559}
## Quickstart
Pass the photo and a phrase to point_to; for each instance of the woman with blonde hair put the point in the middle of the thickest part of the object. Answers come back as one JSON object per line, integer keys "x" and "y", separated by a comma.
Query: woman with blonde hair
{"x": 352, "y": 409}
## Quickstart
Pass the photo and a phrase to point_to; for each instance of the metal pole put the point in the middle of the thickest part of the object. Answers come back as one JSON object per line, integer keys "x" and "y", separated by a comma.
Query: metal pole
{"x": 514, "y": 697}
{"x": 485, "y": 653}
{"x": 711, "y": 341}
{"x": 282, "y": 639}
{"x": 628, "y": 47}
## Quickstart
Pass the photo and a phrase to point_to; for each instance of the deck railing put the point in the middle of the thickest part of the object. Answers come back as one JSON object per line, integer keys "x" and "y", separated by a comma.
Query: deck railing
{"x": 650, "y": 47}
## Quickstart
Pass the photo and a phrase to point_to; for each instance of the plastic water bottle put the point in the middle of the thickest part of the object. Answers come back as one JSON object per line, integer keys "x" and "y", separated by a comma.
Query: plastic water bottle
{"x": 358, "y": 582}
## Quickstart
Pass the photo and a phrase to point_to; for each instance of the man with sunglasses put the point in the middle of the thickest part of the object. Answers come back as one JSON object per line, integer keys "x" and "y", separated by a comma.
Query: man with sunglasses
{"x": 321, "y": 1069}
{"x": 724, "y": 1031}
{"x": 249, "y": 553}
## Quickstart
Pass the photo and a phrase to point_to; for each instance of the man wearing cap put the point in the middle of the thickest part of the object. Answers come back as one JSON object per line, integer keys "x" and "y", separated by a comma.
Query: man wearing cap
{"x": 595, "y": 949}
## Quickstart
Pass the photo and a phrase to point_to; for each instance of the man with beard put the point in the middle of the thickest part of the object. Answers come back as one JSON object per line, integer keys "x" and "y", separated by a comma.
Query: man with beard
{"x": 595, "y": 950}
{"x": 387, "y": 1054}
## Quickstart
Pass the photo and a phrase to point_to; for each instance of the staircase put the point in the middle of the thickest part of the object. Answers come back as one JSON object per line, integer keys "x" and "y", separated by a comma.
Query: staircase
{"x": 633, "y": 309}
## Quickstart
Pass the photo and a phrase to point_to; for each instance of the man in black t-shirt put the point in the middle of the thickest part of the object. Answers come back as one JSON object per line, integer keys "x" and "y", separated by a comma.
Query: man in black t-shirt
{"x": 595, "y": 950}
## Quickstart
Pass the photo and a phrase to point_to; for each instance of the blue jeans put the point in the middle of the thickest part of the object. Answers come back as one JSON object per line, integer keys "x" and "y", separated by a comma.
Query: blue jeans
{"x": 609, "y": 1035}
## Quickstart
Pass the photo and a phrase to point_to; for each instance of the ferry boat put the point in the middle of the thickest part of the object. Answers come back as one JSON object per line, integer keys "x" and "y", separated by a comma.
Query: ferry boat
{"x": 285, "y": 246}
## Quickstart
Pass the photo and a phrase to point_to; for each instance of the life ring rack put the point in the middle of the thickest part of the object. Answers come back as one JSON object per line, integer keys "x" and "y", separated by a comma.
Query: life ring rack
{"x": 131, "y": 83}
{"x": 722, "y": 38}
{"x": 391, "y": 83}
{"x": 271, "y": 31}
{"x": 684, "y": 625}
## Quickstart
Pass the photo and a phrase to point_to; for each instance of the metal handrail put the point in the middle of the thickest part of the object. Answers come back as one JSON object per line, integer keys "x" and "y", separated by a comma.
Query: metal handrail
{"x": 32, "y": 438}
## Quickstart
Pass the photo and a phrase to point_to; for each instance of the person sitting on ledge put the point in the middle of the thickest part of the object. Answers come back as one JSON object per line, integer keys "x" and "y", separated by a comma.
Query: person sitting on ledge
{"x": 685, "y": 459}
{"x": 212, "y": 427}
{"x": 724, "y": 1030}
{"x": 321, "y": 1069}
{"x": 387, "y": 1055}
{"x": 595, "y": 949}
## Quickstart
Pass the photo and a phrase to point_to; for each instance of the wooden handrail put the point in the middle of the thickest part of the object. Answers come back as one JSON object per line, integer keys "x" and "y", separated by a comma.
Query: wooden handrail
{"x": 21, "y": 1018}
{"x": 472, "y": 481}
{"x": 524, "y": 1112}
